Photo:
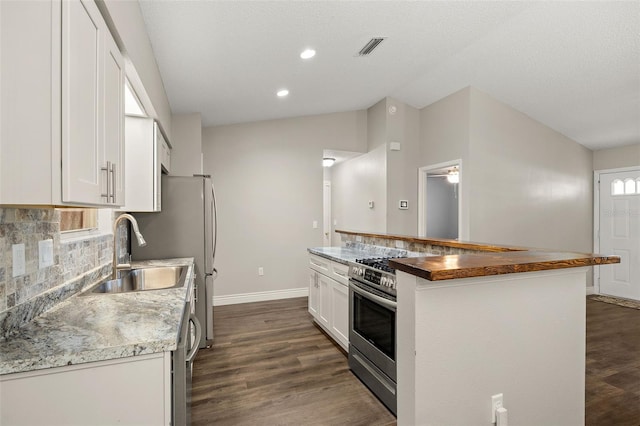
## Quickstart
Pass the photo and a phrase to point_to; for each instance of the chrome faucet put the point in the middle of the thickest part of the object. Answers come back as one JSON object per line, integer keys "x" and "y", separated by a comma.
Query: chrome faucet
{"x": 139, "y": 237}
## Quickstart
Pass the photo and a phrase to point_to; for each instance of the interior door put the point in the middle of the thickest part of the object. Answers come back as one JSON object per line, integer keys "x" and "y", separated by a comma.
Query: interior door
{"x": 620, "y": 233}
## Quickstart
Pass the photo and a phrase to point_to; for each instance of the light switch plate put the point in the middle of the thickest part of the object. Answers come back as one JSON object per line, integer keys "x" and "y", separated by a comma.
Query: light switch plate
{"x": 18, "y": 259}
{"x": 45, "y": 253}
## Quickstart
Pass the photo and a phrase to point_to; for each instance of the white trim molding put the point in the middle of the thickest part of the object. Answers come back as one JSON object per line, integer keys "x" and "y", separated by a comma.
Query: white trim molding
{"x": 596, "y": 217}
{"x": 463, "y": 232}
{"x": 260, "y": 296}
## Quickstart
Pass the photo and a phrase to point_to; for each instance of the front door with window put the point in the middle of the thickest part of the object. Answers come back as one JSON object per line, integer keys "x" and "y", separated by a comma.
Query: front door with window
{"x": 620, "y": 232}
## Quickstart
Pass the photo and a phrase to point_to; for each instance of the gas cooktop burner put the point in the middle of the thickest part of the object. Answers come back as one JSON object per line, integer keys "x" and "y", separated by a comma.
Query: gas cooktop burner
{"x": 381, "y": 263}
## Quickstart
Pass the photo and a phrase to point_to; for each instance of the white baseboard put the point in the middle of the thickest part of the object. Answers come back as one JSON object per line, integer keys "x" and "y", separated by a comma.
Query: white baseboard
{"x": 261, "y": 296}
{"x": 590, "y": 290}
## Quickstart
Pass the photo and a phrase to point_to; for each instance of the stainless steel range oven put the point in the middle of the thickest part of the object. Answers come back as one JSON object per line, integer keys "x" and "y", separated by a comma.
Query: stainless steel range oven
{"x": 372, "y": 327}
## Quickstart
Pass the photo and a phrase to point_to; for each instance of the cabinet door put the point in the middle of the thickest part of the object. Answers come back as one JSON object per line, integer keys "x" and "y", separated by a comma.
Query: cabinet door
{"x": 340, "y": 313}
{"x": 29, "y": 101}
{"x": 126, "y": 391}
{"x": 324, "y": 305}
{"x": 82, "y": 62}
{"x": 313, "y": 293}
{"x": 114, "y": 119}
{"x": 142, "y": 178}
{"x": 157, "y": 164}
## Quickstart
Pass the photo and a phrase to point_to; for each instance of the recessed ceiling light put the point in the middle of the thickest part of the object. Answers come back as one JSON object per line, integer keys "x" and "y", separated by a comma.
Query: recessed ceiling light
{"x": 282, "y": 93}
{"x": 309, "y": 53}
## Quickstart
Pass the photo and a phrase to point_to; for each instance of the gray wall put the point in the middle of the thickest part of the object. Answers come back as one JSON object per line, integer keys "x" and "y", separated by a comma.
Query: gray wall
{"x": 355, "y": 183}
{"x": 444, "y": 136}
{"x": 186, "y": 153}
{"x": 522, "y": 182}
{"x": 617, "y": 158}
{"x": 402, "y": 168}
{"x": 382, "y": 175}
{"x": 377, "y": 125}
{"x": 530, "y": 185}
{"x": 268, "y": 178}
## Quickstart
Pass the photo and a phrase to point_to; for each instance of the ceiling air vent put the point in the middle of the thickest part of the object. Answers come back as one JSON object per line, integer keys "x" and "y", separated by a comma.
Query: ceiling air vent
{"x": 370, "y": 46}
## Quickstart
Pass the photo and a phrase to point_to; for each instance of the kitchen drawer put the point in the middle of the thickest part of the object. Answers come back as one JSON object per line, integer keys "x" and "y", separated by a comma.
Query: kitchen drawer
{"x": 339, "y": 272}
{"x": 320, "y": 264}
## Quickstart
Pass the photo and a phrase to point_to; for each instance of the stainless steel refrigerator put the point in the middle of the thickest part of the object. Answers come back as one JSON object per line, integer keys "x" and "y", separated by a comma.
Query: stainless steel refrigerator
{"x": 185, "y": 227}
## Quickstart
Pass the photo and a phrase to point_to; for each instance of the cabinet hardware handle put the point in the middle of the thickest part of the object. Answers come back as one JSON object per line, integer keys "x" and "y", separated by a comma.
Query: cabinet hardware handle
{"x": 113, "y": 182}
{"x": 109, "y": 189}
{"x": 106, "y": 169}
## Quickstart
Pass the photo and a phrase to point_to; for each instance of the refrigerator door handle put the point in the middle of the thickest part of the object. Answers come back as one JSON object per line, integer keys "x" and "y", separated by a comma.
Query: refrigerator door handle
{"x": 214, "y": 213}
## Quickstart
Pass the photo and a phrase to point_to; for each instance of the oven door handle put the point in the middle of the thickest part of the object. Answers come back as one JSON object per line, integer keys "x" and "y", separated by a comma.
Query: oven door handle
{"x": 375, "y": 298}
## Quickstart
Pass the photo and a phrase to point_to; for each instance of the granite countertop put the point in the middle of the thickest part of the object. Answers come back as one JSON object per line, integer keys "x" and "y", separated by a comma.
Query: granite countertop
{"x": 355, "y": 251}
{"x": 88, "y": 328}
{"x": 479, "y": 265}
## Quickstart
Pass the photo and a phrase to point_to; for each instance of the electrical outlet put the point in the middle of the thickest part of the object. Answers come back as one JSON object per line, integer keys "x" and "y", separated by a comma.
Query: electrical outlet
{"x": 18, "y": 259}
{"x": 496, "y": 402}
{"x": 45, "y": 253}
{"x": 315, "y": 224}
{"x": 399, "y": 244}
{"x": 261, "y": 271}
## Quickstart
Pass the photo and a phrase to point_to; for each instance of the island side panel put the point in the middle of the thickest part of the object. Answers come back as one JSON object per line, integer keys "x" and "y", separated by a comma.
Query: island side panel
{"x": 522, "y": 335}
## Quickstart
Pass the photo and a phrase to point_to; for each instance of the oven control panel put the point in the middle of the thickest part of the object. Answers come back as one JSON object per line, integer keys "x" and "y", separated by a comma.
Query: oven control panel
{"x": 373, "y": 275}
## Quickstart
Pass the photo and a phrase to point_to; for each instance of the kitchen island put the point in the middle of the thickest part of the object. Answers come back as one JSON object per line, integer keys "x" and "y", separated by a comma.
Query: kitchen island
{"x": 482, "y": 320}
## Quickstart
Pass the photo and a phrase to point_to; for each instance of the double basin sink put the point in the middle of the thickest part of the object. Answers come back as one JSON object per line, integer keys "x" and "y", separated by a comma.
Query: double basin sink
{"x": 142, "y": 279}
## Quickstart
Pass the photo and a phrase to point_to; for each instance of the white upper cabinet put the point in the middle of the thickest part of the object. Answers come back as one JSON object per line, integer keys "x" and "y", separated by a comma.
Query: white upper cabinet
{"x": 61, "y": 105}
{"x": 146, "y": 149}
{"x": 29, "y": 101}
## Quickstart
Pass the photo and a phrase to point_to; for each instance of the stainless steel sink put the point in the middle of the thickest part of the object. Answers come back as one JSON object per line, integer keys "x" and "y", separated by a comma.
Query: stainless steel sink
{"x": 141, "y": 279}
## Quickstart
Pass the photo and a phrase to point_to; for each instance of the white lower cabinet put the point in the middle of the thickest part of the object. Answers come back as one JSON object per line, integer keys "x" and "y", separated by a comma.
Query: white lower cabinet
{"x": 325, "y": 308}
{"x": 127, "y": 391}
{"x": 314, "y": 293}
{"x": 329, "y": 298}
{"x": 340, "y": 313}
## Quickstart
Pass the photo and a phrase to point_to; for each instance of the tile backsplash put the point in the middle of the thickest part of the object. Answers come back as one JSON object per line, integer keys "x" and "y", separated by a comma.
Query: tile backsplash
{"x": 420, "y": 247}
{"x": 76, "y": 262}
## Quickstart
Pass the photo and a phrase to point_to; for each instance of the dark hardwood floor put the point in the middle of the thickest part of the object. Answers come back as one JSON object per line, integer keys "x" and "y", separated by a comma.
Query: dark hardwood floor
{"x": 271, "y": 366}
{"x": 613, "y": 365}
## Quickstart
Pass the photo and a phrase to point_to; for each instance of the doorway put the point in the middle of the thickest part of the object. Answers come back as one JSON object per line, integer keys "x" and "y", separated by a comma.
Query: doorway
{"x": 326, "y": 213}
{"x": 440, "y": 200}
{"x": 617, "y": 231}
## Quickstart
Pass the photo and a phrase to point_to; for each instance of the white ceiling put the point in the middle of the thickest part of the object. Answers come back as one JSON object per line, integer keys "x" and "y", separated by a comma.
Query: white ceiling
{"x": 574, "y": 66}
